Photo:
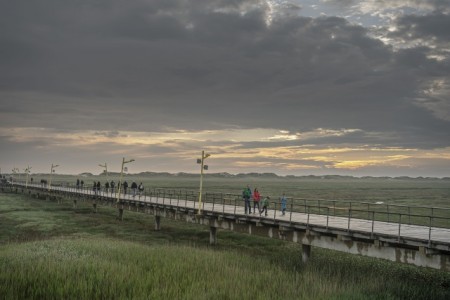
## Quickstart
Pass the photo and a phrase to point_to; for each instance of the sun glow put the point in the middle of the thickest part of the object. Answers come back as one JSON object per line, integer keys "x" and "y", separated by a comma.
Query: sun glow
{"x": 257, "y": 148}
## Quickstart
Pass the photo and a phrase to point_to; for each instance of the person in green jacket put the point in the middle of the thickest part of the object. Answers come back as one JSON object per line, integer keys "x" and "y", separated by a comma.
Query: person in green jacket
{"x": 265, "y": 205}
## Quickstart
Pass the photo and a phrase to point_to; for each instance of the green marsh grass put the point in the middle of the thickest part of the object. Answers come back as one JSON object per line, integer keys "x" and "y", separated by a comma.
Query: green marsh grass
{"x": 53, "y": 251}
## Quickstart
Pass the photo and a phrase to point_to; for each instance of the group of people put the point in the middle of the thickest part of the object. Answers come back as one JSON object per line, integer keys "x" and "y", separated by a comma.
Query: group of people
{"x": 248, "y": 196}
{"x": 111, "y": 186}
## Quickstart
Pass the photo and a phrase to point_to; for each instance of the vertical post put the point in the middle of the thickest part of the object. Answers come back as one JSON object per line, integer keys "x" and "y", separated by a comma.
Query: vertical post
{"x": 212, "y": 235}
{"x": 409, "y": 215}
{"x": 328, "y": 213}
{"x": 52, "y": 170}
{"x": 201, "y": 184}
{"x": 120, "y": 181}
{"x": 307, "y": 220}
{"x": 121, "y": 212}
{"x": 373, "y": 223}
{"x": 121, "y": 176}
{"x": 429, "y": 233}
{"x": 399, "y": 225}
{"x": 157, "y": 223}
{"x": 349, "y": 217}
{"x": 27, "y": 170}
{"x": 290, "y": 215}
{"x": 202, "y": 167}
{"x": 306, "y": 252}
{"x": 388, "y": 212}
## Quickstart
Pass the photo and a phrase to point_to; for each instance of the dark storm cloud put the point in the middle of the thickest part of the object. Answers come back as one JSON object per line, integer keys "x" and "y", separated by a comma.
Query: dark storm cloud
{"x": 147, "y": 65}
{"x": 433, "y": 27}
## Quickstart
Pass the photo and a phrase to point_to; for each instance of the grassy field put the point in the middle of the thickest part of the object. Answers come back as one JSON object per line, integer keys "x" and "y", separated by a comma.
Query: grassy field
{"x": 419, "y": 192}
{"x": 52, "y": 251}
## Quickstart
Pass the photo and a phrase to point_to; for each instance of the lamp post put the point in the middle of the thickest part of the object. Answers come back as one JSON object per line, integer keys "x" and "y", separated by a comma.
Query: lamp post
{"x": 106, "y": 170}
{"x": 121, "y": 175}
{"x": 203, "y": 167}
{"x": 15, "y": 171}
{"x": 27, "y": 171}
{"x": 52, "y": 170}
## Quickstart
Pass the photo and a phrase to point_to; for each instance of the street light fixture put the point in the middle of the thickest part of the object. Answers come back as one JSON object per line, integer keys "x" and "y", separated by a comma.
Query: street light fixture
{"x": 27, "y": 171}
{"x": 202, "y": 167}
{"x": 121, "y": 175}
{"x": 52, "y": 170}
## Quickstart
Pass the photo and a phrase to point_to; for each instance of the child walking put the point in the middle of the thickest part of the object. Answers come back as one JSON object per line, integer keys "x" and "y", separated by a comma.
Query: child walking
{"x": 265, "y": 205}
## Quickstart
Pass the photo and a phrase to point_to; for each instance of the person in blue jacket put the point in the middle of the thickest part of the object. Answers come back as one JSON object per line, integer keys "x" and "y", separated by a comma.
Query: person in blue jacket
{"x": 283, "y": 202}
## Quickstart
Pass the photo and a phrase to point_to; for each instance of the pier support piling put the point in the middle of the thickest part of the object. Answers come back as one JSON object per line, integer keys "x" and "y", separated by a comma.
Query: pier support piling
{"x": 306, "y": 252}
{"x": 157, "y": 223}
{"x": 212, "y": 235}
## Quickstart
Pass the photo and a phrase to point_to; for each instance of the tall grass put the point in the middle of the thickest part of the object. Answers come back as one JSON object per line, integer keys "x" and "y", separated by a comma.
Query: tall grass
{"x": 77, "y": 254}
{"x": 99, "y": 268}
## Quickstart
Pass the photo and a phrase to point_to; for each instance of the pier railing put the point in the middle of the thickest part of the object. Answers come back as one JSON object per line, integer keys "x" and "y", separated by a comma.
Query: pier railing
{"x": 427, "y": 216}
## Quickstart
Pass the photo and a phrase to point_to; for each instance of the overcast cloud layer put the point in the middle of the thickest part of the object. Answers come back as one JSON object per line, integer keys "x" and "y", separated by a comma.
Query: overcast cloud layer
{"x": 83, "y": 82}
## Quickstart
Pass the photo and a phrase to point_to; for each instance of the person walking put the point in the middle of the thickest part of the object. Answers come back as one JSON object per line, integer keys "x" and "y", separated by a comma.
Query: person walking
{"x": 283, "y": 203}
{"x": 107, "y": 188}
{"x": 125, "y": 187}
{"x": 265, "y": 205}
{"x": 112, "y": 185}
{"x": 78, "y": 184}
{"x": 94, "y": 188}
{"x": 246, "y": 195}
{"x": 141, "y": 189}
{"x": 256, "y": 199}
{"x": 99, "y": 187}
{"x": 134, "y": 188}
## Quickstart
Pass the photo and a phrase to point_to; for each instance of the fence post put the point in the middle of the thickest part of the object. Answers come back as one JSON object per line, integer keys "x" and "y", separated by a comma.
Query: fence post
{"x": 373, "y": 223}
{"x": 349, "y": 217}
{"x": 328, "y": 214}
{"x": 399, "y": 226}
{"x": 307, "y": 220}
{"x": 223, "y": 205}
{"x": 429, "y": 233}
{"x": 290, "y": 216}
{"x": 409, "y": 215}
{"x": 388, "y": 212}
{"x": 275, "y": 211}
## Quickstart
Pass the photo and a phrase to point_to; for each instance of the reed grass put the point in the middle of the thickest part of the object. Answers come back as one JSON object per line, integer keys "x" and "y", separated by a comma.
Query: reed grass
{"x": 78, "y": 254}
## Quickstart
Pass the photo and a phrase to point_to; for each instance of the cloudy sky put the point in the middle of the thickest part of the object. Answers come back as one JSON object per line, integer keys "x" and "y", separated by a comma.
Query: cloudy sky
{"x": 291, "y": 87}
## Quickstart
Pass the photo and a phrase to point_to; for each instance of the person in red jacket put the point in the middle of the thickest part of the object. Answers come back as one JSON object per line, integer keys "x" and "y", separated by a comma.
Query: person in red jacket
{"x": 256, "y": 199}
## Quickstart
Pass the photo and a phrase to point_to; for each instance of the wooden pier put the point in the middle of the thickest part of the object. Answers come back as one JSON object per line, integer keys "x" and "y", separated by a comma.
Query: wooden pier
{"x": 421, "y": 245}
